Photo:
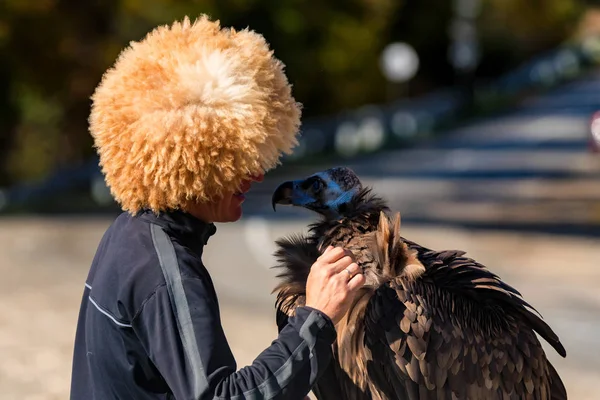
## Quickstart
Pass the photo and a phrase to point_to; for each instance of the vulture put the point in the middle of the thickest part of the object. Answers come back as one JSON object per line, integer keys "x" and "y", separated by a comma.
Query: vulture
{"x": 427, "y": 324}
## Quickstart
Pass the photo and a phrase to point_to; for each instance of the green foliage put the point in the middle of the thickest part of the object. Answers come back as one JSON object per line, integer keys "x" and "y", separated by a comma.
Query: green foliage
{"x": 55, "y": 51}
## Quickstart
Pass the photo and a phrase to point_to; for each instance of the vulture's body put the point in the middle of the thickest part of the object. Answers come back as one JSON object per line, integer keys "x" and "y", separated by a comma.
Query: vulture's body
{"x": 427, "y": 324}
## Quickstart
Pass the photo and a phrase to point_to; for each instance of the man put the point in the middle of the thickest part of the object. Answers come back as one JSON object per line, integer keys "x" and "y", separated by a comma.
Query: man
{"x": 184, "y": 123}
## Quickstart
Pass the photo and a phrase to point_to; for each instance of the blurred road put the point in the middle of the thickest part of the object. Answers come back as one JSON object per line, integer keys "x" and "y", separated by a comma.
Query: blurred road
{"x": 45, "y": 261}
{"x": 528, "y": 169}
{"x": 517, "y": 175}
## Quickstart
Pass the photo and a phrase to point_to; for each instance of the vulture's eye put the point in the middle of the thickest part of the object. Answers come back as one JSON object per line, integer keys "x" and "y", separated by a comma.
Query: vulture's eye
{"x": 317, "y": 185}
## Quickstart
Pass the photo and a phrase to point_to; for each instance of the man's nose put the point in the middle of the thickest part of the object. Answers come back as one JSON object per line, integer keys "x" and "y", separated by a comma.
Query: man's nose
{"x": 258, "y": 178}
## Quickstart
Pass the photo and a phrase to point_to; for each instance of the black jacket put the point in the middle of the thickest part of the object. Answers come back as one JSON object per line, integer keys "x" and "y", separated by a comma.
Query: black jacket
{"x": 149, "y": 324}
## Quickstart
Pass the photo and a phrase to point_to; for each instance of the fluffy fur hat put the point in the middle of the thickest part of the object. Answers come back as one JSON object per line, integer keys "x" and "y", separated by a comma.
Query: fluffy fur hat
{"x": 188, "y": 113}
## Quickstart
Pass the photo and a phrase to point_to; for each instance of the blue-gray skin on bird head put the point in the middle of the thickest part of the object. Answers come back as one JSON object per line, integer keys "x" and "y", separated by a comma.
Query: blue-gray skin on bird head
{"x": 326, "y": 192}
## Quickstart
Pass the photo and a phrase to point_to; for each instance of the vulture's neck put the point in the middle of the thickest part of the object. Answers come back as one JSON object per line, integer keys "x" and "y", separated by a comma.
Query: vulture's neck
{"x": 296, "y": 254}
{"x": 360, "y": 215}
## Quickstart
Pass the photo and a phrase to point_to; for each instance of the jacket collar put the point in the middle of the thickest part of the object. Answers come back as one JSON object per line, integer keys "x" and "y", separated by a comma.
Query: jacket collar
{"x": 181, "y": 224}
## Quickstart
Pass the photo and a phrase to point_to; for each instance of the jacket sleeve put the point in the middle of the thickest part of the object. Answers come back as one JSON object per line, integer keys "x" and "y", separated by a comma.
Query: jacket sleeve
{"x": 181, "y": 331}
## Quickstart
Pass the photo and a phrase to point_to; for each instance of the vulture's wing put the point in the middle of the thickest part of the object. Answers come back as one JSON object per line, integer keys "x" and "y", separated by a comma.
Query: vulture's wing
{"x": 295, "y": 255}
{"x": 457, "y": 332}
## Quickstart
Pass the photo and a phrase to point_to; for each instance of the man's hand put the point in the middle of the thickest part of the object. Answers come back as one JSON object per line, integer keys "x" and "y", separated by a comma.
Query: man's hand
{"x": 332, "y": 283}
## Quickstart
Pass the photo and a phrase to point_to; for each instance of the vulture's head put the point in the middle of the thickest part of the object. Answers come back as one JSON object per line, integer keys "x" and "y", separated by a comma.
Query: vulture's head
{"x": 328, "y": 192}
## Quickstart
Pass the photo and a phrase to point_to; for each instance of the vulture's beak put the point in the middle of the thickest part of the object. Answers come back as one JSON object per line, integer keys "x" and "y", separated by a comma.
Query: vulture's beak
{"x": 283, "y": 194}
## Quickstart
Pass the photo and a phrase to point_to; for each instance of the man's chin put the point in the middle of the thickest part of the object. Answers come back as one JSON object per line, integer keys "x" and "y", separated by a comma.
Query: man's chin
{"x": 233, "y": 216}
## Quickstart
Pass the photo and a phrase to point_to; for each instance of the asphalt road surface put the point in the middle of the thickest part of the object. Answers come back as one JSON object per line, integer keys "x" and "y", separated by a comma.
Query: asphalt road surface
{"x": 44, "y": 264}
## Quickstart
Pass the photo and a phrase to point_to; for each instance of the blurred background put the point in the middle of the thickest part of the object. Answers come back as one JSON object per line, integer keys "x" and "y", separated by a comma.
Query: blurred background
{"x": 475, "y": 118}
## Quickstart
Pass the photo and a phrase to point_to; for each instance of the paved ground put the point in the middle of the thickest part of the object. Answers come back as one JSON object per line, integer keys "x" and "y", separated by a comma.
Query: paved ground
{"x": 44, "y": 263}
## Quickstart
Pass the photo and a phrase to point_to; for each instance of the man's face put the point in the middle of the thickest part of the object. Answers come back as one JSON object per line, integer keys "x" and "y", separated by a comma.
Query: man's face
{"x": 229, "y": 209}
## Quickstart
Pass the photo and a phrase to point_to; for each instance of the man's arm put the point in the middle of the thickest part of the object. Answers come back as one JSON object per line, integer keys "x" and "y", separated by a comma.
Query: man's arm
{"x": 181, "y": 331}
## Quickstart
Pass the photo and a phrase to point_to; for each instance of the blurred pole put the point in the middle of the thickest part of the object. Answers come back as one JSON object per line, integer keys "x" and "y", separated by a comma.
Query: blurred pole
{"x": 594, "y": 140}
{"x": 464, "y": 51}
{"x": 399, "y": 63}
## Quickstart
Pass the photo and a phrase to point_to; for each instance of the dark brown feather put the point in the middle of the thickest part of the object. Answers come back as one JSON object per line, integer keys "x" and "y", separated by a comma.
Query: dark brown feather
{"x": 427, "y": 325}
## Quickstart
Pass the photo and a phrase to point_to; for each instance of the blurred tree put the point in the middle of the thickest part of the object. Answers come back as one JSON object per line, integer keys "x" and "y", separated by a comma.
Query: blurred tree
{"x": 531, "y": 24}
{"x": 8, "y": 118}
{"x": 512, "y": 30}
{"x": 55, "y": 51}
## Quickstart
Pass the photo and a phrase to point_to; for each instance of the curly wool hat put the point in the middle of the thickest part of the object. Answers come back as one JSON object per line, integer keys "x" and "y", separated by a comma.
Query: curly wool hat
{"x": 188, "y": 113}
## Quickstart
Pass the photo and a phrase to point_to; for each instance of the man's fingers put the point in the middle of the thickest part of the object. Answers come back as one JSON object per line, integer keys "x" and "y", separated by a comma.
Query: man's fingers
{"x": 356, "y": 282}
{"x": 349, "y": 271}
{"x": 354, "y": 268}
{"x": 325, "y": 252}
{"x": 333, "y": 255}
{"x": 342, "y": 264}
